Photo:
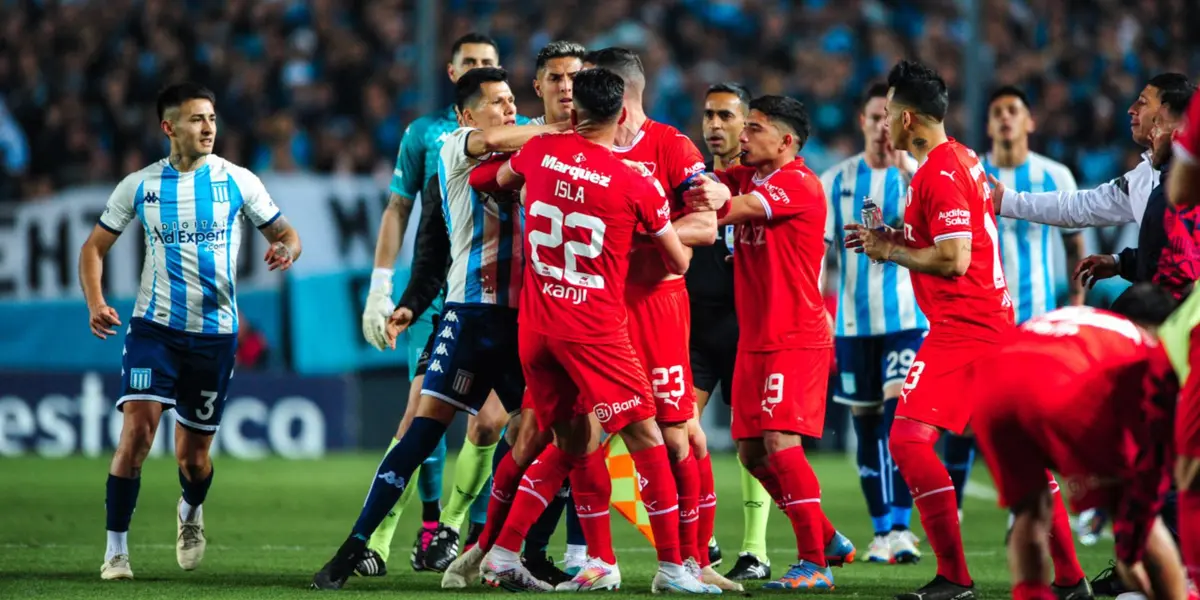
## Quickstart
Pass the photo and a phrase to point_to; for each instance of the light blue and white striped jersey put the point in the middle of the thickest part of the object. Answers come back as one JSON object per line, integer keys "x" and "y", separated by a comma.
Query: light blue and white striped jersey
{"x": 872, "y": 299}
{"x": 1025, "y": 247}
{"x": 486, "y": 243}
{"x": 192, "y": 223}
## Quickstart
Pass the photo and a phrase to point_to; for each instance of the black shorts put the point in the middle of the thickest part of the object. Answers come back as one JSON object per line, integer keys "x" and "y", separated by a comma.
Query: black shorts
{"x": 423, "y": 360}
{"x": 713, "y": 349}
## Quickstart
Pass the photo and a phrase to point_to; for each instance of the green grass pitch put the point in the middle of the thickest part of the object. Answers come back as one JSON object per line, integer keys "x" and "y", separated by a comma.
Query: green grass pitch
{"x": 271, "y": 524}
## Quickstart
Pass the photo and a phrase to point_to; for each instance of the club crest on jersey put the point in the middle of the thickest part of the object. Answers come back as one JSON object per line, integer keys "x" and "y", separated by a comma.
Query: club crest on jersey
{"x": 139, "y": 379}
{"x": 220, "y": 192}
{"x": 462, "y": 382}
{"x": 580, "y": 157}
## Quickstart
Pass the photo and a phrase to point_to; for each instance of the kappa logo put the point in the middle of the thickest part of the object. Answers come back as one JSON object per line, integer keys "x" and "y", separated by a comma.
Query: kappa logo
{"x": 441, "y": 350}
{"x": 451, "y": 317}
{"x": 867, "y": 472}
{"x": 605, "y": 412}
{"x": 150, "y": 198}
{"x": 447, "y": 333}
{"x": 391, "y": 479}
{"x": 435, "y": 366}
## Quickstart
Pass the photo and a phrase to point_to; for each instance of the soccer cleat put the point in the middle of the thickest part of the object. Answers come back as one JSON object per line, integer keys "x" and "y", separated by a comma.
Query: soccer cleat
{"x": 371, "y": 565}
{"x": 464, "y": 569}
{"x": 1079, "y": 591}
{"x": 1107, "y": 583}
{"x": 880, "y": 551}
{"x": 710, "y": 576}
{"x": 803, "y": 576}
{"x": 116, "y": 568}
{"x": 941, "y": 589}
{"x": 675, "y": 579}
{"x": 910, "y": 536}
{"x": 904, "y": 551}
{"x": 421, "y": 547}
{"x": 596, "y": 575}
{"x": 839, "y": 551}
{"x": 443, "y": 549}
{"x": 542, "y": 567}
{"x": 334, "y": 574}
{"x": 513, "y": 577}
{"x": 189, "y": 541}
{"x": 692, "y": 567}
{"x": 749, "y": 568}
{"x": 714, "y": 553}
{"x": 1090, "y": 525}
{"x": 574, "y": 559}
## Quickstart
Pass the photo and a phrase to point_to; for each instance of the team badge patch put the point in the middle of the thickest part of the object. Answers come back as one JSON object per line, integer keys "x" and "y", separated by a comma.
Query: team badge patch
{"x": 462, "y": 381}
{"x": 139, "y": 379}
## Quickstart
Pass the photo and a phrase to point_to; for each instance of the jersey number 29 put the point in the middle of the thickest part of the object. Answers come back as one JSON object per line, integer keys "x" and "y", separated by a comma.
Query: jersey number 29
{"x": 571, "y": 250}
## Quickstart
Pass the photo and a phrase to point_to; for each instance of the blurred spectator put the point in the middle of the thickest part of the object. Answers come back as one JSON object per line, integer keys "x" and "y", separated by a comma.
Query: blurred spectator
{"x": 252, "y": 348}
{"x": 329, "y": 86}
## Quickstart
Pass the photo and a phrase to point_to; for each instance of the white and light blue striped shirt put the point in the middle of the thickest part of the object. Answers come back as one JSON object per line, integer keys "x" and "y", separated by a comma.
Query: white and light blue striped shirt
{"x": 1026, "y": 248}
{"x": 872, "y": 299}
{"x": 192, "y": 230}
{"x": 486, "y": 243}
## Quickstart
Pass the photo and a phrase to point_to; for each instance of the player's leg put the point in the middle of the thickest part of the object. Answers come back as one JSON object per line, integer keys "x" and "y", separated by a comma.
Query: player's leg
{"x": 195, "y": 477}
{"x": 139, "y": 425}
{"x": 1029, "y": 546}
{"x": 1167, "y": 578}
{"x": 958, "y": 454}
{"x": 901, "y": 497}
{"x": 706, "y": 344}
{"x": 861, "y": 363}
{"x": 1068, "y": 574}
{"x": 899, "y": 352}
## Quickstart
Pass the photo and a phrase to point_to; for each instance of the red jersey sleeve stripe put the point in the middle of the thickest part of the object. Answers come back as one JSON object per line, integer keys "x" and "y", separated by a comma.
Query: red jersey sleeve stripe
{"x": 765, "y": 203}
{"x": 952, "y": 235}
{"x": 663, "y": 231}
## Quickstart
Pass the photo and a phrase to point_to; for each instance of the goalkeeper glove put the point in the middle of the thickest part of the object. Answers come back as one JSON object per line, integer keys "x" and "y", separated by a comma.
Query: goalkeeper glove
{"x": 379, "y": 308}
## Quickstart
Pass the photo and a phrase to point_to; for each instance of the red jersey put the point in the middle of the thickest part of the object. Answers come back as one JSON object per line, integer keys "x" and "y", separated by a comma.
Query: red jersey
{"x": 582, "y": 206}
{"x": 950, "y": 198}
{"x": 777, "y": 261}
{"x": 1187, "y": 137}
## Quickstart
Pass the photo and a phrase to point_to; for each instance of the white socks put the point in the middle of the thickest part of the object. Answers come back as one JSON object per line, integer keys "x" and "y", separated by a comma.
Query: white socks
{"x": 187, "y": 512}
{"x": 504, "y": 556}
{"x": 117, "y": 544}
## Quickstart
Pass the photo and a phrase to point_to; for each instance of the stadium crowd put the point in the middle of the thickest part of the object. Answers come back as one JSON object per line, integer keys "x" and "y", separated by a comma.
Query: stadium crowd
{"x": 329, "y": 86}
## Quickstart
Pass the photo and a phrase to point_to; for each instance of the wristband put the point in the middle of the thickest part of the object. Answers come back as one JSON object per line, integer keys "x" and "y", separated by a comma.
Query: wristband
{"x": 381, "y": 279}
{"x": 1116, "y": 258}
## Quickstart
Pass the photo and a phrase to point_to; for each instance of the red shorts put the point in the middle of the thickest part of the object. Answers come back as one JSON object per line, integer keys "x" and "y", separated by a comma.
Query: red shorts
{"x": 565, "y": 379}
{"x": 939, "y": 389}
{"x": 1042, "y": 418}
{"x": 660, "y": 327}
{"x": 780, "y": 390}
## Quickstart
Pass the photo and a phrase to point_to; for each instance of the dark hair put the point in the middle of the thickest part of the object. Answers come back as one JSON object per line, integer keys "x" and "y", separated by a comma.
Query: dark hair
{"x": 472, "y": 38}
{"x": 730, "y": 87}
{"x": 599, "y": 94}
{"x": 1145, "y": 304}
{"x": 1009, "y": 90}
{"x": 622, "y": 61}
{"x": 559, "y": 49}
{"x": 785, "y": 111}
{"x": 470, "y": 86}
{"x": 920, "y": 88}
{"x": 176, "y": 94}
{"x": 876, "y": 90}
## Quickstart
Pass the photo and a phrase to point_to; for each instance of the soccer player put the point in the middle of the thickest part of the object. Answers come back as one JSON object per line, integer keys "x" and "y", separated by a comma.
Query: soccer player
{"x": 949, "y": 243}
{"x": 474, "y": 352}
{"x": 582, "y": 209}
{"x": 879, "y": 327}
{"x": 1089, "y": 394}
{"x": 714, "y": 346}
{"x": 182, "y": 335}
{"x": 659, "y": 315}
{"x": 782, "y": 368}
{"x": 416, "y": 162}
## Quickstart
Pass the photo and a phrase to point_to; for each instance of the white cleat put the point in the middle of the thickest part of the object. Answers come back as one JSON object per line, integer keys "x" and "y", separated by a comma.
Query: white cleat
{"x": 464, "y": 568}
{"x": 595, "y": 575}
{"x": 675, "y": 579}
{"x": 116, "y": 567}
{"x": 190, "y": 543}
{"x": 710, "y": 576}
{"x": 880, "y": 550}
{"x": 904, "y": 551}
{"x": 574, "y": 559}
{"x": 511, "y": 576}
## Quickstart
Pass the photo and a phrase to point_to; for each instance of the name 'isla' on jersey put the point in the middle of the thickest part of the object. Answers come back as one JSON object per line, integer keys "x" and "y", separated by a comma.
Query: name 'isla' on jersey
{"x": 192, "y": 224}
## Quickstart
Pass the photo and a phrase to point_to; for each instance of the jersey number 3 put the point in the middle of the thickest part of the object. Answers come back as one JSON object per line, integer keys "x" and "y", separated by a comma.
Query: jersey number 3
{"x": 571, "y": 250}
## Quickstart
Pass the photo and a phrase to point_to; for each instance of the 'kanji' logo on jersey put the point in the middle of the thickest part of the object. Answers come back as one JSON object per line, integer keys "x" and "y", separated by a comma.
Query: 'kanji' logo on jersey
{"x": 435, "y": 366}
{"x": 447, "y": 333}
{"x": 441, "y": 350}
{"x": 462, "y": 381}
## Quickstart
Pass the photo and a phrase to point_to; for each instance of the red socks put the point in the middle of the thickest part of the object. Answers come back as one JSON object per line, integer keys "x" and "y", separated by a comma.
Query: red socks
{"x": 766, "y": 476}
{"x": 1067, "y": 571}
{"x": 911, "y": 444}
{"x": 1189, "y": 532}
{"x": 708, "y": 507}
{"x": 687, "y": 480}
{"x": 801, "y": 501}
{"x": 592, "y": 490}
{"x": 542, "y": 480}
{"x": 661, "y": 500}
{"x": 504, "y": 488}
{"x": 1033, "y": 591}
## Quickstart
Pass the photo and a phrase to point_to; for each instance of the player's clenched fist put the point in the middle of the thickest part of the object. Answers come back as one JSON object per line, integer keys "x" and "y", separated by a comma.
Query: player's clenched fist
{"x": 379, "y": 308}
{"x": 102, "y": 319}
{"x": 707, "y": 194}
{"x": 1094, "y": 268}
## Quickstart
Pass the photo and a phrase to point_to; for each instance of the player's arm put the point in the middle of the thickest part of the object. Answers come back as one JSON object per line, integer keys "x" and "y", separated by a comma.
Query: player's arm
{"x": 510, "y": 138}
{"x": 285, "y": 247}
{"x": 118, "y": 213}
{"x": 1074, "y": 249}
{"x": 677, "y": 256}
{"x": 948, "y": 257}
{"x": 486, "y": 177}
{"x": 431, "y": 254}
{"x": 407, "y": 177}
{"x": 697, "y": 228}
{"x": 1107, "y": 204}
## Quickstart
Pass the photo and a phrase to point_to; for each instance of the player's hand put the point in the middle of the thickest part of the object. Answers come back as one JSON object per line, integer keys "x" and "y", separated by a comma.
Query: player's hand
{"x": 1094, "y": 268}
{"x": 997, "y": 192}
{"x": 1135, "y": 577}
{"x": 878, "y": 244}
{"x": 102, "y": 319}
{"x": 707, "y": 195}
{"x": 278, "y": 257}
{"x": 375, "y": 318}
{"x": 399, "y": 321}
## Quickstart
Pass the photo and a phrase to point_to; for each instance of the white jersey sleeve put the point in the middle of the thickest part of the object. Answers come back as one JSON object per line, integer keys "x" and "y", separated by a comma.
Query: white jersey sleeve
{"x": 120, "y": 208}
{"x": 257, "y": 203}
{"x": 454, "y": 156}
